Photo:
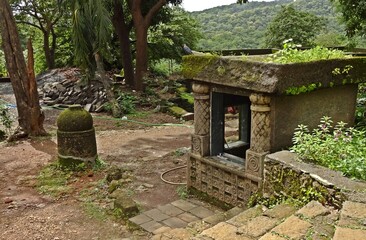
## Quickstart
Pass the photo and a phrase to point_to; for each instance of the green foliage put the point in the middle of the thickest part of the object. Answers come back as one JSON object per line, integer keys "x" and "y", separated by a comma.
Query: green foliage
{"x": 243, "y": 26}
{"x": 5, "y": 118}
{"x": 3, "y": 70}
{"x": 290, "y": 54}
{"x": 361, "y": 106}
{"x": 126, "y": 101}
{"x": 167, "y": 38}
{"x": 300, "y": 26}
{"x": 182, "y": 192}
{"x": 353, "y": 15}
{"x": 339, "y": 148}
{"x": 164, "y": 67}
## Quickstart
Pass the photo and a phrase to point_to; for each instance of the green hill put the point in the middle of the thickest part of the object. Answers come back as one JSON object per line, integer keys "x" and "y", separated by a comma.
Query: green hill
{"x": 242, "y": 26}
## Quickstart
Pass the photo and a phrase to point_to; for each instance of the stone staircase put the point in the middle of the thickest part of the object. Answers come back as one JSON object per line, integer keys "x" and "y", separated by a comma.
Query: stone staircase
{"x": 283, "y": 222}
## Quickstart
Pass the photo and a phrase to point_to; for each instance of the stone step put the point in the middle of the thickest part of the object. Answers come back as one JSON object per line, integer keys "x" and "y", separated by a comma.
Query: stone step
{"x": 313, "y": 221}
{"x": 352, "y": 222}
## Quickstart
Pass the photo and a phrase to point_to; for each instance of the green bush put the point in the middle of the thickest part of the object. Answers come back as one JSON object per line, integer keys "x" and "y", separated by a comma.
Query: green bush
{"x": 338, "y": 148}
{"x": 290, "y": 54}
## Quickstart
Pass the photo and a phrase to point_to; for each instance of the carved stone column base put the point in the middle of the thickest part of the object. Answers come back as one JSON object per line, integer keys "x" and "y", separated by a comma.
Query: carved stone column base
{"x": 254, "y": 163}
{"x": 200, "y": 145}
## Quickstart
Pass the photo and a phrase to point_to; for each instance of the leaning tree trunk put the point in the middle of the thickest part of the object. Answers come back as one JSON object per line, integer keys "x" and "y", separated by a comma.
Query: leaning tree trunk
{"x": 116, "y": 110}
{"x": 30, "y": 116}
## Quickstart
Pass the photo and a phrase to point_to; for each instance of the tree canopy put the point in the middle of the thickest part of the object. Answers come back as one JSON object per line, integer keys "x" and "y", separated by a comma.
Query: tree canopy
{"x": 289, "y": 23}
{"x": 353, "y": 15}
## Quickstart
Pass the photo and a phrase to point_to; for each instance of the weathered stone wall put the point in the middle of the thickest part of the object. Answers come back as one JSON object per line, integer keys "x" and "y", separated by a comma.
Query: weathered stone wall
{"x": 286, "y": 177}
{"x": 287, "y": 112}
{"x": 225, "y": 181}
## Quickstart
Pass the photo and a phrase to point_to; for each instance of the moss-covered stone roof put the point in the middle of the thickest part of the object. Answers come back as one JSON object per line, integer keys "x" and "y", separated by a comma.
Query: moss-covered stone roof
{"x": 253, "y": 74}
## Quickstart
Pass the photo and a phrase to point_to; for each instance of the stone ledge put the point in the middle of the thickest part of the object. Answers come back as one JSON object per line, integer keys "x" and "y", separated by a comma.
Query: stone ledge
{"x": 352, "y": 189}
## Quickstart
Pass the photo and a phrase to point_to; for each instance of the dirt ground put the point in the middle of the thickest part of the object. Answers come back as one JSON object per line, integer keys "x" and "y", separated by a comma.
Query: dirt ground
{"x": 143, "y": 151}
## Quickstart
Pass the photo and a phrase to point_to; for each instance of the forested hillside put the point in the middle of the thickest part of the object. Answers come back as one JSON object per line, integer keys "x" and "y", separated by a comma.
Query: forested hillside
{"x": 243, "y": 26}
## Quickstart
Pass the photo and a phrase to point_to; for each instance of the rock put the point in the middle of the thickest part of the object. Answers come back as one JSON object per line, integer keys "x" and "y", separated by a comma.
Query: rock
{"x": 147, "y": 185}
{"x": 114, "y": 184}
{"x": 114, "y": 173}
{"x": 8, "y": 200}
{"x": 125, "y": 203}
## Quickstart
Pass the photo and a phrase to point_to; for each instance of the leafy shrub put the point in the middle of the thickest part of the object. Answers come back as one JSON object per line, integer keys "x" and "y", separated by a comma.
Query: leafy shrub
{"x": 290, "y": 54}
{"x": 361, "y": 106}
{"x": 5, "y": 120}
{"x": 339, "y": 148}
{"x": 127, "y": 102}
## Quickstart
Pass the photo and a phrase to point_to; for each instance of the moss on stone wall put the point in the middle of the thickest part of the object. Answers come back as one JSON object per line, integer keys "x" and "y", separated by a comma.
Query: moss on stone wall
{"x": 283, "y": 184}
{"x": 194, "y": 64}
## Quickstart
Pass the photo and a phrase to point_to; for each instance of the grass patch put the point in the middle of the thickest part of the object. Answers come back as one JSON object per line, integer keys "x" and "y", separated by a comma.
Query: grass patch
{"x": 53, "y": 181}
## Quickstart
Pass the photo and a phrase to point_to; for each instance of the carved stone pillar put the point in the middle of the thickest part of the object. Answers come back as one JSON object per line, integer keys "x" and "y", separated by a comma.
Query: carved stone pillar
{"x": 201, "y": 136}
{"x": 260, "y": 135}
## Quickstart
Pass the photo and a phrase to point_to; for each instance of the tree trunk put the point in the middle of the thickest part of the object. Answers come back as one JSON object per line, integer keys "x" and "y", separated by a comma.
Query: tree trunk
{"x": 142, "y": 23}
{"x": 48, "y": 51}
{"x": 30, "y": 116}
{"x": 116, "y": 110}
{"x": 123, "y": 33}
{"x": 141, "y": 55}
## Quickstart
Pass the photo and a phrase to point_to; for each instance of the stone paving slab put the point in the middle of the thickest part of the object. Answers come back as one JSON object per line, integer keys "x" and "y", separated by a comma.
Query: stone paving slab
{"x": 183, "y": 204}
{"x": 293, "y": 227}
{"x": 170, "y": 210}
{"x": 151, "y": 226}
{"x": 258, "y": 226}
{"x": 201, "y": 212}
{"x": 177, "y": 214}
{"x": 349, "y": 234}
{"x": 270, "y": 236}
{"x": 175, "y": 222}
{"x": 223, "y": 231}
{"x": 140, "y": 219}
{"x": 354, "y": 210}
{"x": 313, "y": 209}
{"x": 156, "y": 214}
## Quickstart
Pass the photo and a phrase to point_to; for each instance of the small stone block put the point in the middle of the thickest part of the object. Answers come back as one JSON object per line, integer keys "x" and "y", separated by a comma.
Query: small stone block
{"x": 184, "y": 205}
{"x": 187, "y": 217}
{"x": 140, "y": 219}
{"x": 280, "y": 211}
{"x": 293, "y": 227}
{"x": 313, "y": 209}
{"x": 349, "y": 234}
{"x": 151, "y": 226}
{"x": 215, "y": 219}
{"x": 258, "y": 226}
{"x": 224, "y": 231}
{"x": 170, "y": 210}
{"x": 245, "y": 216}
{"x": 233, "y": 212}
{"x": 201, "y": 212}
{"x": 354, "y": 210}
{"x": 162, "y": 230}
{"x": 175, "y": 222}
{"x": 156, "y": 214}
{"x": 126, "y": 204}
{"x": 177, "y": 234}
{"x": 270, "y": 236}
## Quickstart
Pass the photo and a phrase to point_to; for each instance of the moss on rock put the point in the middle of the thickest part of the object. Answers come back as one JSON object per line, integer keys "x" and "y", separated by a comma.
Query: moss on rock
{"x": 75, "y": 118}
{"x": 194, "y": 64}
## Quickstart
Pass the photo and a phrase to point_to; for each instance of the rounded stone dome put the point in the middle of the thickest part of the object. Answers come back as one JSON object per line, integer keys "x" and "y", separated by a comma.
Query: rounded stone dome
{"x": 75, "y": 118}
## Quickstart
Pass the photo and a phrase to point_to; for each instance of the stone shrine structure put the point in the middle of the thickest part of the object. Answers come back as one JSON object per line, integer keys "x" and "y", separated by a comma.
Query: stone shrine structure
{"x": 272, "y": 100}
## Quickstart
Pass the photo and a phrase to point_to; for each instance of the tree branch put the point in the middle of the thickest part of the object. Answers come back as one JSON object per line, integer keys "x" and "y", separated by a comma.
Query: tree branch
{"x": 153, "y": 11}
